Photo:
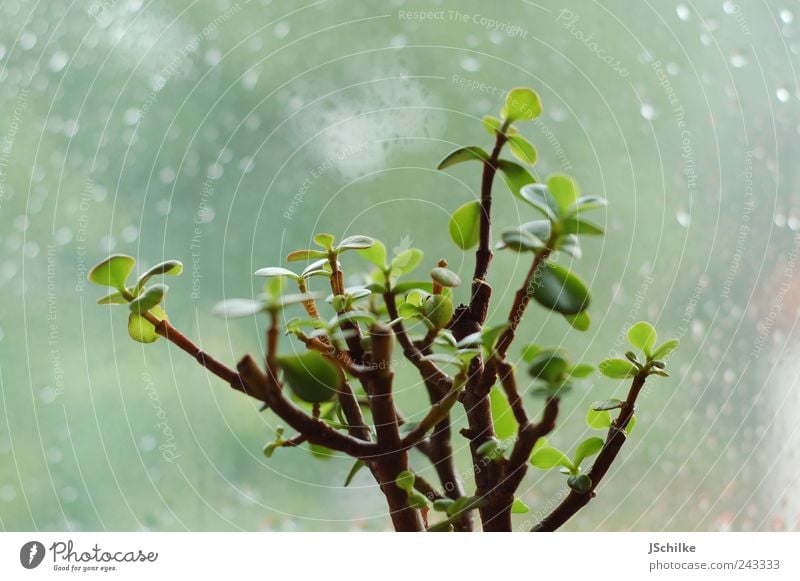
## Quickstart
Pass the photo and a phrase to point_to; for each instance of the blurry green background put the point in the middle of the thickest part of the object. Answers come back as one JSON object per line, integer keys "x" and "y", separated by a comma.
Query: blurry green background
{"x": 225, "y": 134}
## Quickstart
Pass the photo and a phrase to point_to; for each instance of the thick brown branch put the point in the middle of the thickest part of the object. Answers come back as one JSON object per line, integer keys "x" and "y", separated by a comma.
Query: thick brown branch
{"x": 614, "y": 441}
{"x": 393, "y": 458}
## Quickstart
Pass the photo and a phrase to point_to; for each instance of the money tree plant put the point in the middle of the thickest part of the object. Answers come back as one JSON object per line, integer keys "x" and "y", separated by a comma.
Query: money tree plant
{"x": 334, "y": 388}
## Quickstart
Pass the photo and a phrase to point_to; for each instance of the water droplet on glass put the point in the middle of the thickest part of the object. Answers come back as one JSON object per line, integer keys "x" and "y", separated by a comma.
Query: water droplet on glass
{"x": 54, "y": 455}
{"x": 738, "y": 60}
{"x": 22, "y": 222}
{"x": 647, "y": 111}
{"x": 130, "y": 233}
{"x": 729, "y": 7}
{"x": 58, "y": 61}
{"x": 215, "y": 171}
{"x": 673, "y": 69}
{"x": 167, "y": 175}
{"x": 147, "y": 443}
{"x": 108, "y": 243}
{"x": 782, "y": 94}
{"x": 27, "y": 40}
{"x": 281, "y": 29}
{"x": 8, "y": 493}
{"x": 213, "y": 56}
{"x": 63, "y": 236}
{"x": 163, "y": 207}
{"x": 683, "y": 218}
{"x": 780, "y": 220}
{"x": 786, "y": 16}
{"x": 469, "y": 64}
{"x": 682, "y": 10}
{"x": 250, "y": 79}
{"x": 398, "y": 41}
{"x": 132, "y": 116}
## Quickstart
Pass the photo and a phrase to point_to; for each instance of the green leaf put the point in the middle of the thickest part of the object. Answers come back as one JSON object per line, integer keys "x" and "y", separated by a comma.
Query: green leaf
{"x": 491, "y": 449}
{"x": 564, "y": 190}
{"x": 520, "y": 240}
{"x": 438, "y": 309}
{"x": 405, "y": 480}
{"x": 114, "y": 298}
{"x": 617, "y": 368}
{"x": 142, "y": 330}
{"x": 236, "y": 308}
{"x": 549, "y": 366}
{"x": 151, "y": 297}
{"x": 406, "y": 261}
{"x": 471, "y": 153}
{"x": 505, "y": 425}
{"x": 522, "y": 149}
{"x": 530, "y": 351}
{"x": 320, "y": 267}
{"x": 113, "y": 271}
{"x": 559, "y": 289}
{"x": 587, "y": 449}
{"x": 519, "y": 507}
{"x": 445, "y": 277}
{"x": 666, "y": 348}
{"x": 580, "y": 322}
{"x": 376, "y": 254}
{"x": 357, "y": 242}
{"x": 569, "y": 244}
{"x": 171, "y": 267}
{"x": 538, "y": 196}
{"x": 357, "y": 465}
{"x": 580, "y": 483}
{"x": 312, "y": 377}
{"x": 631, "y": 425}
{"x": 306, "y": 255}
{"x": 607, "y": 404}
{"x": 272, "y": 271}
{"x": 464, "y": 225}
{"x": 548, "y": 458}
{"x": 522, "y": 104}
{"x": 324, "y": 240}
{"x": 581, "y": 370}
{"x": 581, "y": 227}
{"x": 515, "y": 176}
{"x": 492, "y": 124}
{"x": 587, "y": 203}
{"x": 643, "y": 336}
{"x": 598, "y": 420}
{"x": 442, "y": 504}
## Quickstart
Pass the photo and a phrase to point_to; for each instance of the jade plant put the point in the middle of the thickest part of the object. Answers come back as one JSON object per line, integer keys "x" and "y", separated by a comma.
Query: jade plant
{"x": 334, "y": 388}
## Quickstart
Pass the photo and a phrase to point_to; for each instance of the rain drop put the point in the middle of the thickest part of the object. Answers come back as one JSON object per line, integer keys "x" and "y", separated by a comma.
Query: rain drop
{"x": 683, "y": 218}
{"x": 58, "y": 61}
{"x": 647, "y": 111}
{"x": 682, "y": 10}
{"x": 281, "y": 29}
{"x": 782, "y": 94}
{"x": 738, "y": 61}
{"x": 469, "y": 64}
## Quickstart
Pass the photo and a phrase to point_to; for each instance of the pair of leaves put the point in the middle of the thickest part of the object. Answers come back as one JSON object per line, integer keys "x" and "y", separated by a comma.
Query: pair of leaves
{"x": 547, "y": 457}
{"x": 114, "y": 272}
